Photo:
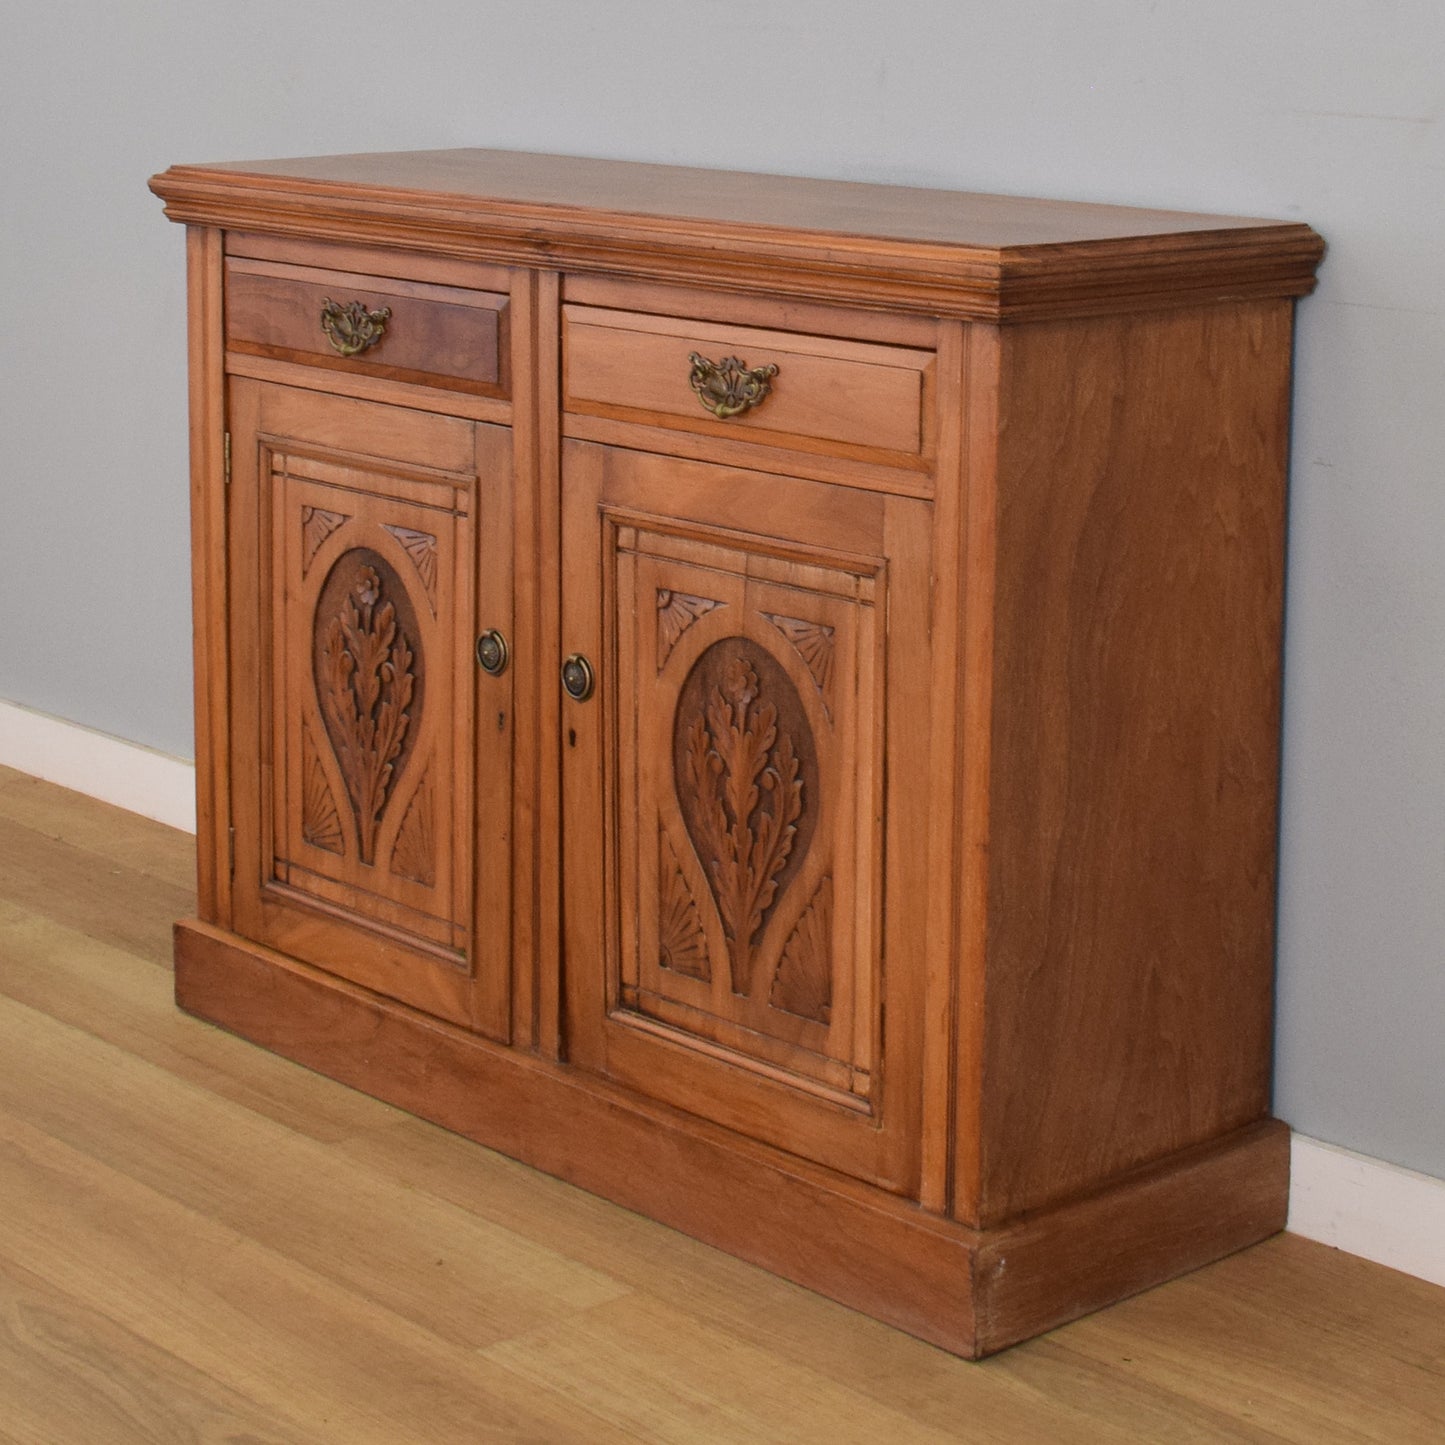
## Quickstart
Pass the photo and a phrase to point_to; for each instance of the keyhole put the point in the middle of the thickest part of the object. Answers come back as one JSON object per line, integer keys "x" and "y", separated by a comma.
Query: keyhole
{"x": 571, "y": 737}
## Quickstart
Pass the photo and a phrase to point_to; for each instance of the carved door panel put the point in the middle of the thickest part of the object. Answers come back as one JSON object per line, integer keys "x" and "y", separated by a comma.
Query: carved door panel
{"x": 355, "y": 542}
{"x": 745, "y": 762}
{"x": 743, "y": 744}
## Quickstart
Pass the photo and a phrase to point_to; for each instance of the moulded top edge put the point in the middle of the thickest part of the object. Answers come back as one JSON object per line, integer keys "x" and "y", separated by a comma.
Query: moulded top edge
{"x": 905, "y": 214}
{"x": 950, "y": 251}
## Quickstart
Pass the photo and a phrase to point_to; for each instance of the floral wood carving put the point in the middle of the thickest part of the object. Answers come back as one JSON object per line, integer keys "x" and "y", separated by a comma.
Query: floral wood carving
{"x": 681, "y": 943}
{"x": 744, "y": 774}
{"x": 367, "y": 681}
{"x": 814, "y": 642}
{"x": 316, "y": 526}
{"x": 803, "y": 984}
{"x": 676, "y": 612}
{"x": 421, "y": 547}
{"x": 320, "y": 822}
{"x": 414, "y": 855}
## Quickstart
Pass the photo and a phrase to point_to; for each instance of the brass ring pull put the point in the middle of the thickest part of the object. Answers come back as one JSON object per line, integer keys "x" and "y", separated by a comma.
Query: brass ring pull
{"x": 493, "y": 654}
{"x": 727, "y": 387}
{"x": 352, "y": 328}
{"x": 578, "y": 679}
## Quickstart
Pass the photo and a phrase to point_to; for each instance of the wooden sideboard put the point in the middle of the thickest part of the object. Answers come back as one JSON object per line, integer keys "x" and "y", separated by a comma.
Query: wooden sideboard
{"x": 758, "y": 697}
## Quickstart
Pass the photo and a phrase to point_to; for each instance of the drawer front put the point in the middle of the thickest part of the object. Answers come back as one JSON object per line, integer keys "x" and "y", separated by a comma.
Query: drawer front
{"x": 812, "y": 393}
{"x": 411, "y": 331}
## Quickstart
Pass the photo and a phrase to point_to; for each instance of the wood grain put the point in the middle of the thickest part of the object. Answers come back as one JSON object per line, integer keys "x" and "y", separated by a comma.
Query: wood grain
{"x": 636, "y": 433}
{"x": 843, "y": 397}
{"x": 920, "y": 827}
{"x": 358, "y": 622}
{"x": 740, "y": 309}
{"x": 924, "y": 1274}
{"x": 68, "y": 1372}
{"x": 64, "y": 878}
{"x": 951, "y": 570}
{"x": 367, "y": 387}
{"x": 662, "y": 725}
{"x": 120, "y": 1251}
{"x": 129, "y": 1317}
{"x": 332, "y": 493}
{"x": 123, "y": 999}
{"x": 975, "y": 723}
{"x": 334, "y": 254}
{"x": 873, "y": 1250}
{"x": 948, "y": 253}
{"x": 489, "y": 727}
{"x": 536, "y": 550}
{"x": 210, "y": 646}
{"x": 186, "y": 1144}
{"x": 101, "y": 835}
{"x": 1134, "y": 742}
{"x": 434, "y": 335}
{"x": 1146, "y": 1227}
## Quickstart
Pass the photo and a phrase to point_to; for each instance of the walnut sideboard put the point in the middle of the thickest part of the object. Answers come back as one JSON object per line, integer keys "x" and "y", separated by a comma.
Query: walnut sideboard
{"x": 758, "y": 697}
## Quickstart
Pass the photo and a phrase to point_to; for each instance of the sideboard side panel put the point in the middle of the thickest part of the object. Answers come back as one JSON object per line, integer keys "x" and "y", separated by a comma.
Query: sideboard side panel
{"x": 1135, "y": 712}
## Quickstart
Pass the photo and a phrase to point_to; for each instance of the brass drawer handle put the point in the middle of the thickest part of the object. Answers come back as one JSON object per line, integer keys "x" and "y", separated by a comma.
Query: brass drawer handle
{"x": 727, "y": 387}
{"x": 352, "y": 328}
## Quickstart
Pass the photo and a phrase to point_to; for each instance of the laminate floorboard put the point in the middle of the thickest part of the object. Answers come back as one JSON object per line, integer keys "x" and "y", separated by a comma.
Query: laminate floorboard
{"x": 202, "y": 1242}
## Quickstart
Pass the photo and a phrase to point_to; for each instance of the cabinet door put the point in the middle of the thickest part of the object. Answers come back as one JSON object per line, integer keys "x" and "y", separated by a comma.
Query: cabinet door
{"x": 366, "y": 543}
{"x": 738, "y": 886}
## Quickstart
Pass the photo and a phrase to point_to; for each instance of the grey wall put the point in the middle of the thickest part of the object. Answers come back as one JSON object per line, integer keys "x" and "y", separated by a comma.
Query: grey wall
{"x": 1319, "y": 109}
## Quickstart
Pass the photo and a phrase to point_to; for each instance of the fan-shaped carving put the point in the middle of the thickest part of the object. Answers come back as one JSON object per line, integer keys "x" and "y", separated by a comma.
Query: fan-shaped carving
{"x": 803, "y": 984}
{"x": 316, "y": 526}
{"x": 676, "y": 612}
{"x": 681, "y": 944}
{"x": 814, "y": 644}
{"x": 320, "y": 822}
{"x": 367, "y": 681}
{"x": 421, "y": 547}
{"x": 414, "y": 855}
{"x": 742, "y": 787}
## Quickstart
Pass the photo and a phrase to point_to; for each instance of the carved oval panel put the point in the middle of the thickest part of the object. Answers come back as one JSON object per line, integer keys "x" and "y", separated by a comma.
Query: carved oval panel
{"x": 369, "y": 681}
{"x": 746, "y": 772}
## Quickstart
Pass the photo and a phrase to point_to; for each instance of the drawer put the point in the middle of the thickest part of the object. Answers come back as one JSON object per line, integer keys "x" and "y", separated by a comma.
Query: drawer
{"x": 813, "y": 393}
{"x": 397, "y": 330}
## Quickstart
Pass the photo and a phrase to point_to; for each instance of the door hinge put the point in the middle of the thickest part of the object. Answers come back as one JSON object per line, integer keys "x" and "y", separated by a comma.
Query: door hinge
{"x": 228, "y": 458}
{"x": 231, "y": 851}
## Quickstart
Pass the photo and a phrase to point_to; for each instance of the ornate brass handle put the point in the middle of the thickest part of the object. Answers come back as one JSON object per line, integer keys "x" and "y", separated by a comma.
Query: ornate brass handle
{"x": 352, "y": 328}
{"x": 727, "y": 387}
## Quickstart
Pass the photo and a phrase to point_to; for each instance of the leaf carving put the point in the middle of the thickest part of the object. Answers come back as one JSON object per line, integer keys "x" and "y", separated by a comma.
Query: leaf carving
{"x": 676, "y": 612}
{"x": 803, "y": 984}
{"x": 742, "y": 788}
{"x": 681, "y": 943}
{"x": 366, "y": 680}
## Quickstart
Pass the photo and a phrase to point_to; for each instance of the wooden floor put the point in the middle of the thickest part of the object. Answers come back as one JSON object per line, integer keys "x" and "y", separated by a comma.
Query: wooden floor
{"x": 201, "y": 1242}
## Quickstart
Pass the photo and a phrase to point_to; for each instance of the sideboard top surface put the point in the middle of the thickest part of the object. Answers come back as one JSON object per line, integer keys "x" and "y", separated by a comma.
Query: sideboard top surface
{"x": 996, "y": 257}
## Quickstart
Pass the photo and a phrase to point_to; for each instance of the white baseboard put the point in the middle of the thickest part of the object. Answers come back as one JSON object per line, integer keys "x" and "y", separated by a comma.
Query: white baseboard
{"x": 1367, "y": 1207}
{"x": 1349, "y": 1201}
{"x": 131, "y": 776}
